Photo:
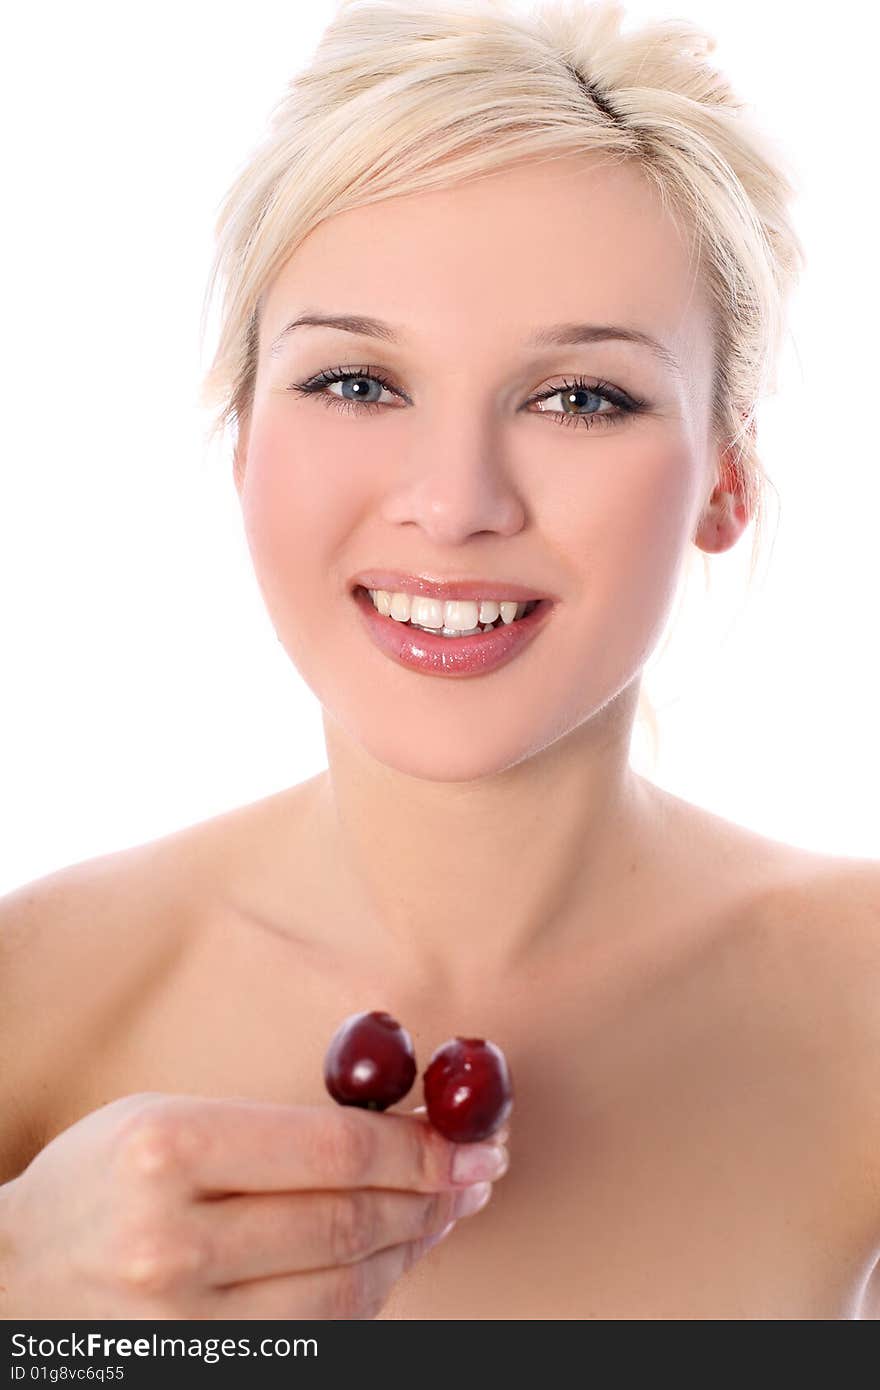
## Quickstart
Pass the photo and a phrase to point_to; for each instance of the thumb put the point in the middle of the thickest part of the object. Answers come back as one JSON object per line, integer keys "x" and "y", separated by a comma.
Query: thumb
{"x": 501, "y": 1135}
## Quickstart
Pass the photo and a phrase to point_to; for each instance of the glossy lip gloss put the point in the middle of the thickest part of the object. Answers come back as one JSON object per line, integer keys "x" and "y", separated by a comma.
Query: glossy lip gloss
{"x": 450, "y": 656}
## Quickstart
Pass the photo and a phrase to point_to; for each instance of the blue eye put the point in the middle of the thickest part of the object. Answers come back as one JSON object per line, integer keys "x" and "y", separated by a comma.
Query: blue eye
{"x": 601, "y": 392}
{"x": 317, "y": 385}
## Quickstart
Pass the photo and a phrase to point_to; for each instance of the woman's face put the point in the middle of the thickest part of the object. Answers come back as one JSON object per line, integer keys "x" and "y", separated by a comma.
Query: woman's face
{"x": 452, "y": 470}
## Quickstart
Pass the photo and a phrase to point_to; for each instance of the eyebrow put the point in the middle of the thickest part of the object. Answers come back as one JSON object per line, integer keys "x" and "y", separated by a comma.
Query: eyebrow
{"x": 556, "y": 335}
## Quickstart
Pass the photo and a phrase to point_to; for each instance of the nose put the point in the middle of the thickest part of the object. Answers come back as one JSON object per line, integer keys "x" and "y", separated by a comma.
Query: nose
{"x": 454, "y": 483}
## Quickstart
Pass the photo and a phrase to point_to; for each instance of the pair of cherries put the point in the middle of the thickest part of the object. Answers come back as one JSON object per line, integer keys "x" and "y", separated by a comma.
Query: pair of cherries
{"x": 371, "y": 1062}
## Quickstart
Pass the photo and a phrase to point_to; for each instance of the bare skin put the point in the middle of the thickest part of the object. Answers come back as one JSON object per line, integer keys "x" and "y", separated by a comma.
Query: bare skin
{"x": 676, "y": 1142}
{"x": 479, "y": 856}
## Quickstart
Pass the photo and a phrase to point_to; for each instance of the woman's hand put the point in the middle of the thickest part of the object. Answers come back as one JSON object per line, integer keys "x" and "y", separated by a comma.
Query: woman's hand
{"x": 164, "y": 1206}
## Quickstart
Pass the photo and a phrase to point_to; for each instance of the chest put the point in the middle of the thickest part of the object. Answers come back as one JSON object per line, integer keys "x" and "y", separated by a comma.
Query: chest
{"x": 671, "y": 1149}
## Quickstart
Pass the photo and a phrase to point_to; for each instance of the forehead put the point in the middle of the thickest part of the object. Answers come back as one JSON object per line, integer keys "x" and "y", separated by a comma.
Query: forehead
{"x": 584, "y": 236}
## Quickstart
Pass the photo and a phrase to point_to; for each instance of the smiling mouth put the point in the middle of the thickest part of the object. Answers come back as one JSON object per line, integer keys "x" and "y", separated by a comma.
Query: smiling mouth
{"x": 521, "y": 610}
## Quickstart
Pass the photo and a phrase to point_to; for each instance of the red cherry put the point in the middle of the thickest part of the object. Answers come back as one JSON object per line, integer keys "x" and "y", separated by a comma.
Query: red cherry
{"x": 370, "y": 1061}
{"x": 468, "y": 1091}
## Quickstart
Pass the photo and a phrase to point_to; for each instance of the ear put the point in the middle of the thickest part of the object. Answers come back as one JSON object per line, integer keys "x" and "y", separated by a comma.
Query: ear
{"x": 726, "y": 513}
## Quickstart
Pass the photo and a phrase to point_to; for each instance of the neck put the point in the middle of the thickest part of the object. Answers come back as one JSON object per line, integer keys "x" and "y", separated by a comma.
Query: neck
{"x": 450, "y": 880}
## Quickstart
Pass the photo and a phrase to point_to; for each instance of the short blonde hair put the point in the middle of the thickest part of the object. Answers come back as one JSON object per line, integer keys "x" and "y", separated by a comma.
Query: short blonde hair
{"x": 400, "y": 97}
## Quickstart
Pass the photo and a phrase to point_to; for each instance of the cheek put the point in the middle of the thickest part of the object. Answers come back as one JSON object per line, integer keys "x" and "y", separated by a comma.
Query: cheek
{"x": 645, "y": 513}
{"x": 294, "y": 506}
{"x": 627, "y": 537}
{"x": 626, "y": 515}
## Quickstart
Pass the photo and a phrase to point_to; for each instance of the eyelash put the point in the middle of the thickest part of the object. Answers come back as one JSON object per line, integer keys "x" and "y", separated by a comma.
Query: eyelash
{"x": 624, "y": 404}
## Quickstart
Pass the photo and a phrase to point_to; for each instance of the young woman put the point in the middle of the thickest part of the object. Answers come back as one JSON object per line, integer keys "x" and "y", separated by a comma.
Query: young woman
{"x": 502, "y": 294}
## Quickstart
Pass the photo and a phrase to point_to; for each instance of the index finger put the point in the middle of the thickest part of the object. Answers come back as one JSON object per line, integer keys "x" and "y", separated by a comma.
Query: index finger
{"x": 237, "y": 1145}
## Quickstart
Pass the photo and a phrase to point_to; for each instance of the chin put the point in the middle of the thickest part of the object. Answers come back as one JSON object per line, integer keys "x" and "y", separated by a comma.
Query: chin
{"x": 456, "y": 760}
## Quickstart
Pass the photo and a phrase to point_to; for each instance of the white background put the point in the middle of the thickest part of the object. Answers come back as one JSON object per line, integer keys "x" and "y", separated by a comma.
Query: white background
{"x": 143, "y": 688}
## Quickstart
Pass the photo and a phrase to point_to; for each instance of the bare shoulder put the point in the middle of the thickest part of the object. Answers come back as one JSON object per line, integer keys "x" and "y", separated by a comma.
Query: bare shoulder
{"x": 806, "y": 927}
{"x": 84, "y": 949}
{"x": 816, "y": 945}
{"x": 92, "y": 924}
{"x": 820, "y": 941}
{"x": 78, "y": 948}
{"x": 823, "y": 931}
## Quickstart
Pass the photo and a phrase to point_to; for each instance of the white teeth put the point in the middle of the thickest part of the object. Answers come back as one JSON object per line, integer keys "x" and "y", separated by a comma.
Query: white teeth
{"x": 400, "y": 607}
{"x": 428, "y": 612}
{"x": 455, "y": 618}
{"x": 382, "y": 600}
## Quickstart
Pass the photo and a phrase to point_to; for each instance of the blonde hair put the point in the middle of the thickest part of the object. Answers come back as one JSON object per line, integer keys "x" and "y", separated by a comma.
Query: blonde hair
{"x": 400, "y": 97}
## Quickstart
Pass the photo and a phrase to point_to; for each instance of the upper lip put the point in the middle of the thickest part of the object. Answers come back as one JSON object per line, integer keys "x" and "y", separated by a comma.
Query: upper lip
{"x": 395, "y": 581}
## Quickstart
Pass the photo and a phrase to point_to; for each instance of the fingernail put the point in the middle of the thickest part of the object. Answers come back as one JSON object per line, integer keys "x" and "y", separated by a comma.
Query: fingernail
{"x": 430, "y": 1241}
{"x": 472, "y": 1199}
{"x": 475, "y": 1162}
